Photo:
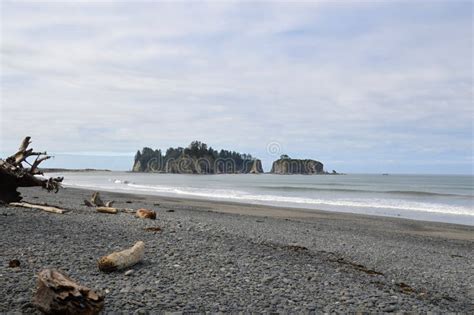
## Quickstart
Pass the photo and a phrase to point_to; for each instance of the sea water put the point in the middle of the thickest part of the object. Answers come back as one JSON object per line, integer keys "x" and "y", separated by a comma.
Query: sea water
{"x": 443, "y": 198}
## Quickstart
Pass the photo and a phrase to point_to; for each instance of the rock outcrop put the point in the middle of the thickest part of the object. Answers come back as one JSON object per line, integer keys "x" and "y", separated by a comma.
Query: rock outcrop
{"x": 288, "y": 166}
{"x": 197, "y": 158}
{"x": 256, "y": 167}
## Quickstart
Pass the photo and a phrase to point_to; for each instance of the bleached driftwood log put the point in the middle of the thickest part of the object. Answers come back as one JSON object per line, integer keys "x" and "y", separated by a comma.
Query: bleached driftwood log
{"x": 123, "y": 259}
{"x": 107, "y": 210}
{"x": 40, "y": 207}
{"x": 13, "y": 174}
{"x": 59, "y": 294}
{"x": 146, "y": 214}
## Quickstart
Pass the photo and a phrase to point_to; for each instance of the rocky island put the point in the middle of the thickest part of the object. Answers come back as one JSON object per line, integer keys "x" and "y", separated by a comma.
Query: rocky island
{"x": 288, "y": 166}
{"x": 197, "y": 158}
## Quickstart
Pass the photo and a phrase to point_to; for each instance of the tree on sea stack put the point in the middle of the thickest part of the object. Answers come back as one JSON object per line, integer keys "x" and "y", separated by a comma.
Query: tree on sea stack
{"x": 13, "y": 173}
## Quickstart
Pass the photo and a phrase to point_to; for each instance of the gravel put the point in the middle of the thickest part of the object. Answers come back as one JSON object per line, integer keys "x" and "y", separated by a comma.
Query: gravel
{"x": 205, "y": 261}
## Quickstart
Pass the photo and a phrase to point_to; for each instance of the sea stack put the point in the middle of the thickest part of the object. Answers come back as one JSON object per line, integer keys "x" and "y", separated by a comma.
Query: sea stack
{"x": 197, "y": 158}
{"x": 288, "y": 166}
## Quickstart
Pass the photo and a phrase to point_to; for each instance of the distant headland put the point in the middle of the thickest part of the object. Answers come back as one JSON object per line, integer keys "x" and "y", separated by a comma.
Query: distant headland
{"x": 199, "y": 158}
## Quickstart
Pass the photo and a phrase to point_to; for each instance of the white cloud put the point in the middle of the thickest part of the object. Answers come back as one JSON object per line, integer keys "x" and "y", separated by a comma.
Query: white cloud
{"x": 115, "y": 77}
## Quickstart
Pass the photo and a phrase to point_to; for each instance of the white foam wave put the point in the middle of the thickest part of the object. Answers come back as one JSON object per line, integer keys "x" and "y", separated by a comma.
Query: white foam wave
{"x": 278, "y": 200}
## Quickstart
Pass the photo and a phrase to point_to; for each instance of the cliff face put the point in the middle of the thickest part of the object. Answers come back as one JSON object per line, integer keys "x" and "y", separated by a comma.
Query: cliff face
{"x": 256, "y": 167}
{"x": 287, "y": 166}
{"x": 196, "y": 159}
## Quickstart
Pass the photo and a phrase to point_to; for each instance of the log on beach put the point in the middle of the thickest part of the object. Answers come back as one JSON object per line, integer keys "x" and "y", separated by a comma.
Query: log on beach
{"x": 107, "y": 210}
{"x": 123, "y": 259}
{"x": 40, "y": 207}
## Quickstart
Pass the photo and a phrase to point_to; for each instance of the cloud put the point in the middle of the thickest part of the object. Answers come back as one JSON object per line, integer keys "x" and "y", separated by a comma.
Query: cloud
{"x": 323, "y": 79}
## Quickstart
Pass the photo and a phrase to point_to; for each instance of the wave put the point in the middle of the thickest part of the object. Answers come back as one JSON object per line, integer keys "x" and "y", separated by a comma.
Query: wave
{"x": 278, "y": 200}
{"x": 397, "y": 192}
{"x": 426, "y": 193}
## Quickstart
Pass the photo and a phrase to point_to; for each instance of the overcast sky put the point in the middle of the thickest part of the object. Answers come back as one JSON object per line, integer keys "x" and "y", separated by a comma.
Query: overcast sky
{"x": 361, "y": 86}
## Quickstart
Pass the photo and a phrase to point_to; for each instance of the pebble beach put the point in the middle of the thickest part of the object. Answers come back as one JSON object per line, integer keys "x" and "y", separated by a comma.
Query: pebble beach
{"x": 203, "y": 256}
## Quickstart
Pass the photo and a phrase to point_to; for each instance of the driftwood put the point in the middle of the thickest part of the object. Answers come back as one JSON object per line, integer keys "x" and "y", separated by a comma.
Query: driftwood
{"x": 107, "y": 210}
{"x": 123, "y": 259}
{"x": 98, "y": 202}
{"x": 40, "y": 207}
{"x": 109, "y": 203}
{"x": 95, "y": 200}
{"x": 146, "y": 214}
{"x": 88, "y": 203}
{"x": 59, "y": 294}
{"x": 14, "y": 174}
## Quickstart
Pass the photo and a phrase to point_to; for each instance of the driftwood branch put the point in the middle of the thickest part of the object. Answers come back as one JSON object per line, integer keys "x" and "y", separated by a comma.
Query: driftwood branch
{"x": 13, "y": 174}
{"x": 32, "y": 206}
{"x": 36, "y": 163}
{"x": 96, "y": 200}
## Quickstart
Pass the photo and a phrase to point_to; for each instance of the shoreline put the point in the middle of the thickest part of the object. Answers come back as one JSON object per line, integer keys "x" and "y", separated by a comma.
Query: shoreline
{"x": 396, "y": 199}
{"x": 229, "y": 257}
{"x": 255, "y": 209}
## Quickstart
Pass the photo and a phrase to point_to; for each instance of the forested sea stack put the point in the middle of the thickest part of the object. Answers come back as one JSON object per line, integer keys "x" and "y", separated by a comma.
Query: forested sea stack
{"x": 197, "y": 158}
{"x": 287, "y": 166}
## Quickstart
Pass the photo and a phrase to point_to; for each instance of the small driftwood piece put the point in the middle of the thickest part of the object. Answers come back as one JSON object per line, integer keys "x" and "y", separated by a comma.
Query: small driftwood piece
{"x": 107, "y": 210}
{"x": 88, "y": 203}
{"x": 40, "y": 207}
{"x": 146, "y": 214}
{"x": 13, "y": 174}
{"x": 123, "y": 259}
{"x": 109, "y": 203}
{"x": 96, "y": 200}
{"x": 59, "y": 294}
{"x": 127, "y": 210}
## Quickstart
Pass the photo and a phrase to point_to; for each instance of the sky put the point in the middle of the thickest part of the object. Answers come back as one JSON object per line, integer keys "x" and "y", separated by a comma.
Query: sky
{"x": 363, "y": 86}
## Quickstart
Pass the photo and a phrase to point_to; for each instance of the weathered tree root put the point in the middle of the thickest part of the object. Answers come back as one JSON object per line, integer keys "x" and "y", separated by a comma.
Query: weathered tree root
{"x": 13, "y": 174}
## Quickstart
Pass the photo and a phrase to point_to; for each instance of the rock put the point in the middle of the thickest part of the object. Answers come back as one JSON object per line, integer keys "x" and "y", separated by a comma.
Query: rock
{"x": 390, "y": 308}
{"x": 146, "y": 214}
{"x": 197, "y": 158}
{"x": 15, "y": 263}
{"x": 140, "y": 289}
{"x": 256, "y": 167}
{"x": 129, "y": 272}
{"x": 288, "y": 166}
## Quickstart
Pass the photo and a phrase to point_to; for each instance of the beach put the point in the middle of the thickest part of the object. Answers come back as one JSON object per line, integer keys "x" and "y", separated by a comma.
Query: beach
{"x": 215, "y": 256}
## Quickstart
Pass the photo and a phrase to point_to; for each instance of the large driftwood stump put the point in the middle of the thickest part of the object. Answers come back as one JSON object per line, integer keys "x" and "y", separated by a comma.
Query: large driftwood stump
{"x": 13, "y": 174}
{"x": 59, "y": 294}
{"x": 123, "y": 259}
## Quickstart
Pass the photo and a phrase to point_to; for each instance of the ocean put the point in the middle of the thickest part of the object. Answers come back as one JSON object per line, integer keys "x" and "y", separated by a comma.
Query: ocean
{"x": 442, "y": 198}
